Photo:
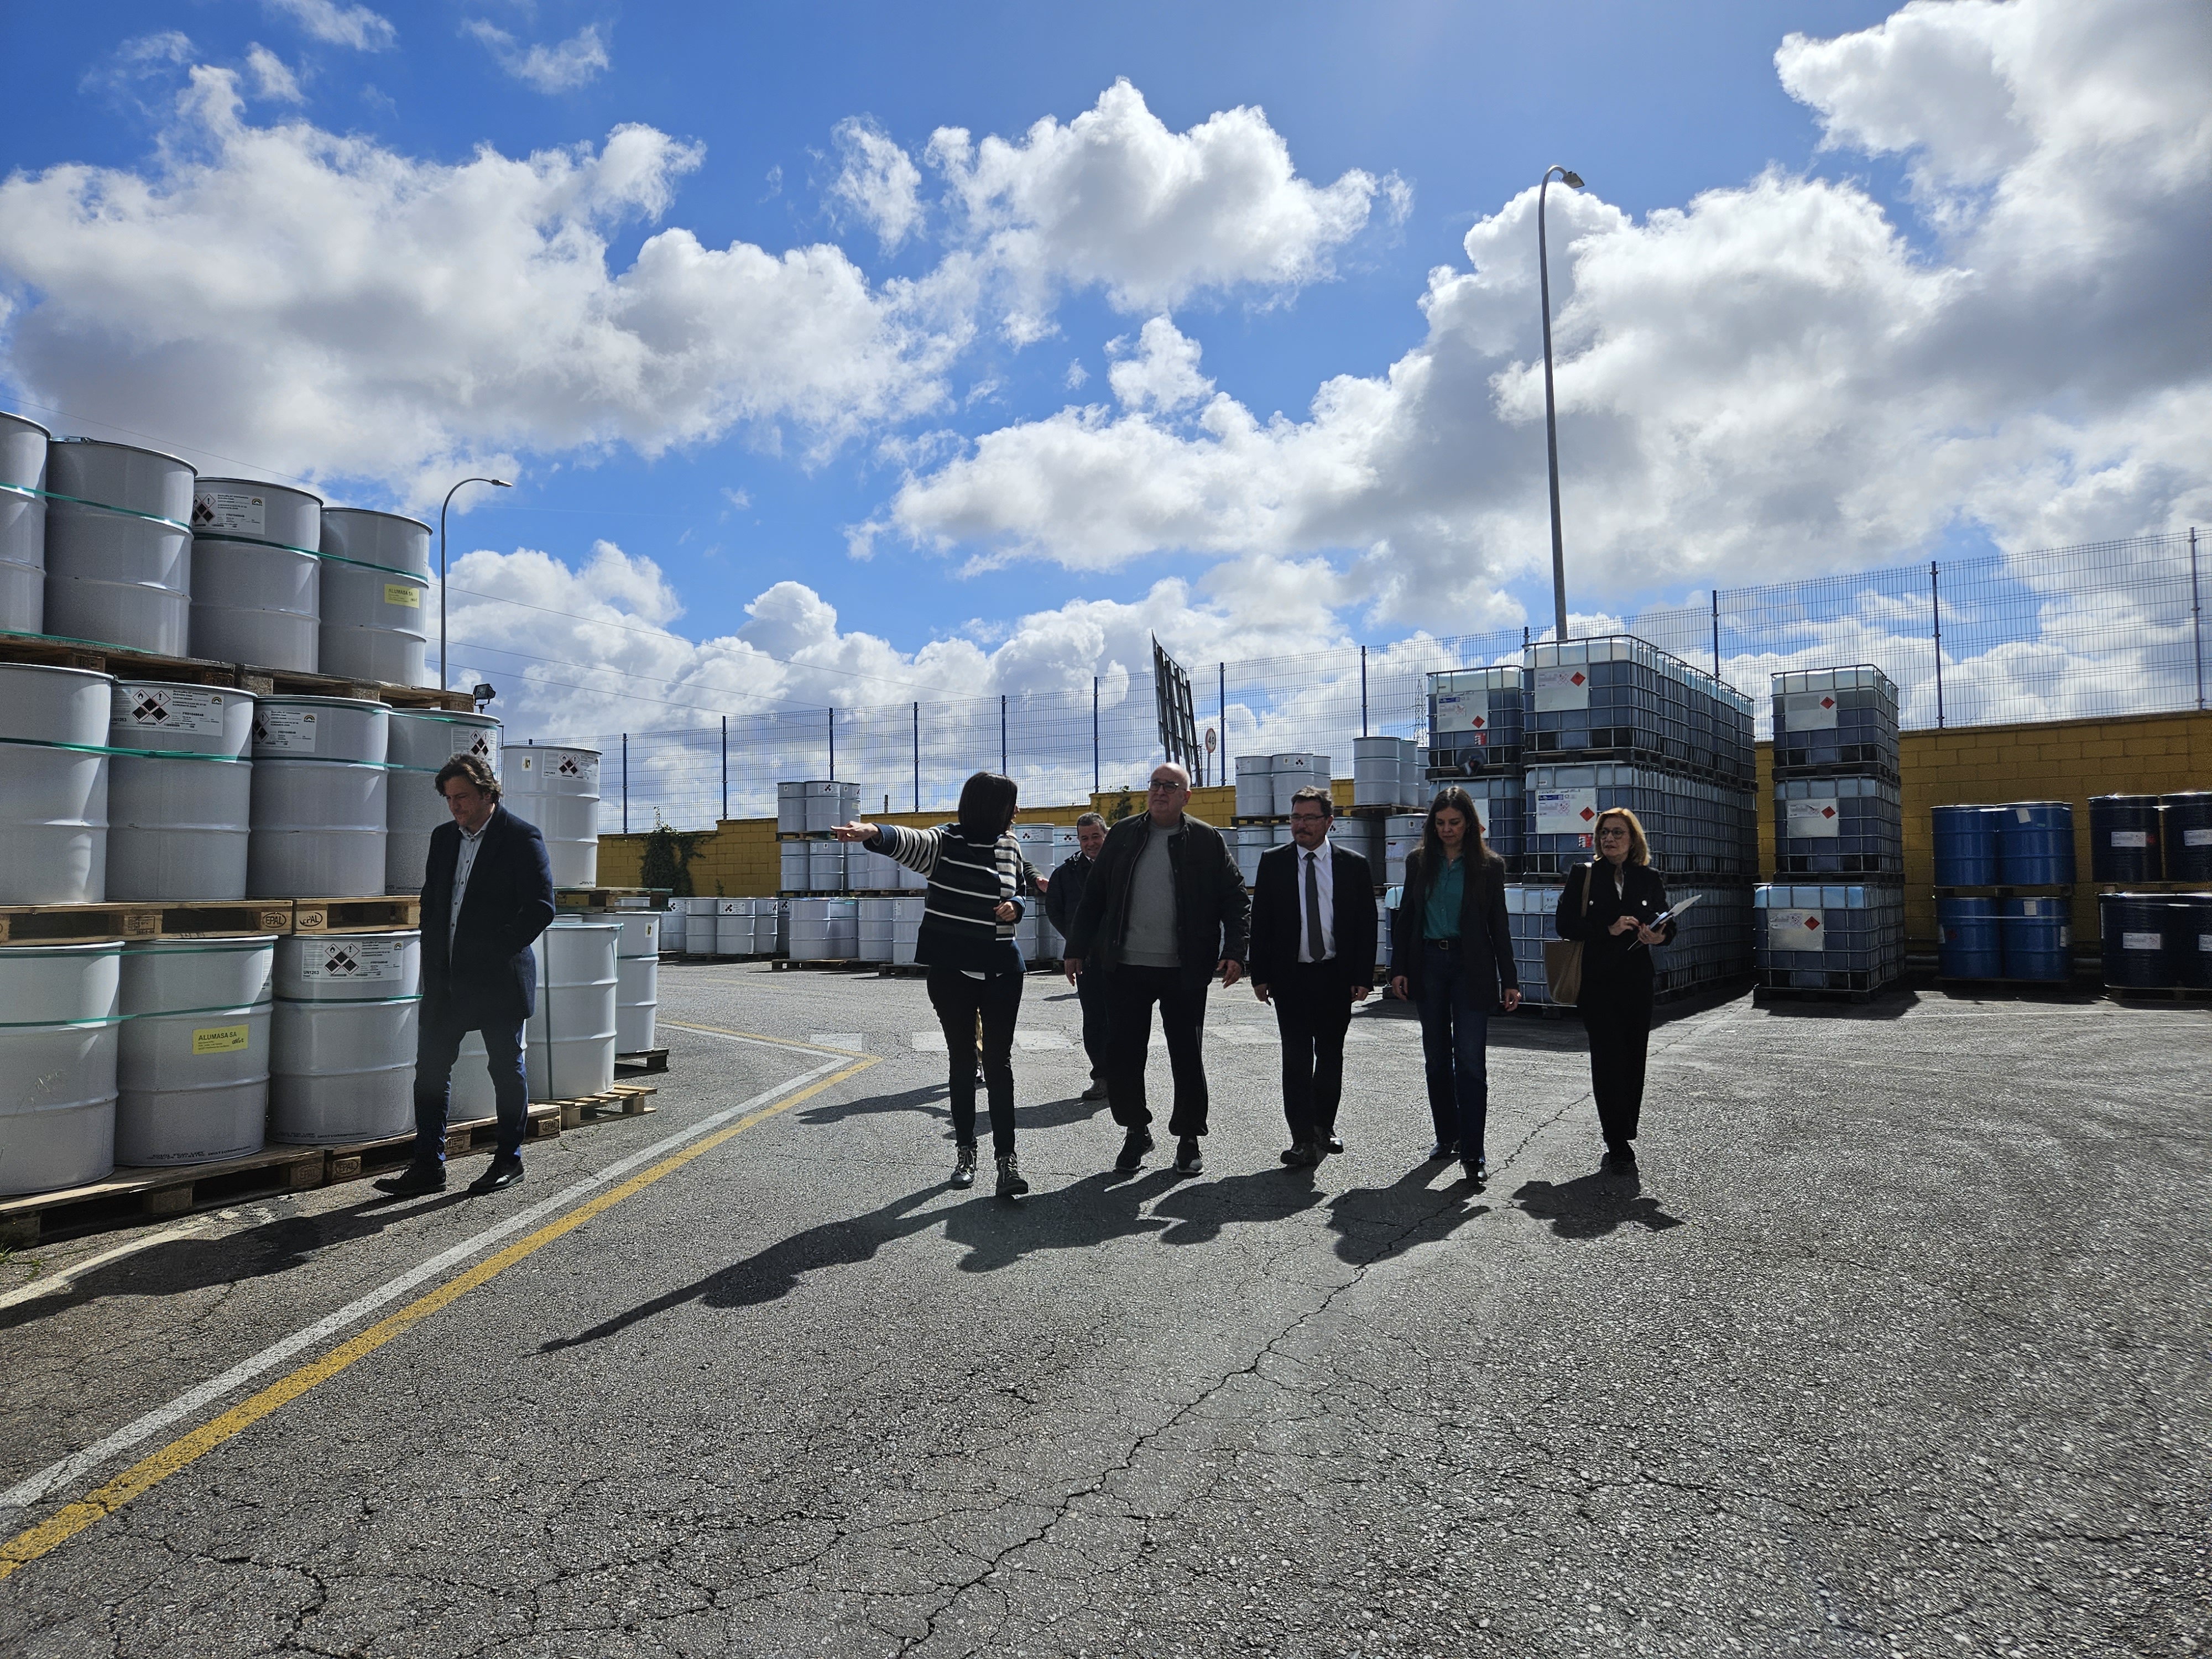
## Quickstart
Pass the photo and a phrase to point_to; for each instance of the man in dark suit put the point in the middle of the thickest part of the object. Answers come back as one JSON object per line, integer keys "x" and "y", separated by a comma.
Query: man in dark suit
{"x": 1063, "y": 896}
{"x": 487, "y": 895}
{"x": 1313, "y": 957}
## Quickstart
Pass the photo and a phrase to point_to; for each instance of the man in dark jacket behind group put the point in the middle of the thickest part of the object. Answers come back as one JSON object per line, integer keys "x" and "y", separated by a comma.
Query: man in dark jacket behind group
{"x": 1063, "y": 897}
{"x": 1163, "y": 910}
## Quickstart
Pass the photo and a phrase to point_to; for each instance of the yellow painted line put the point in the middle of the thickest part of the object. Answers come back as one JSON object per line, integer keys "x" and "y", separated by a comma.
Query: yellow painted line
{"x": 27, "y": 1545}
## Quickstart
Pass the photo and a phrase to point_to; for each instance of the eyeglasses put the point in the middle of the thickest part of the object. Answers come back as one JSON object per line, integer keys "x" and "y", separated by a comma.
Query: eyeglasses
{"x": 1309, "y": 817}
{"x": 1610, "y": 831}
{"x": 1165, "y": 785}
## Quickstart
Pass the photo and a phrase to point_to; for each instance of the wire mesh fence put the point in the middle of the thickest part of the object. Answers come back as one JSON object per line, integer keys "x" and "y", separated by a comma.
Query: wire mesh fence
{"x": 2107, "y": 628}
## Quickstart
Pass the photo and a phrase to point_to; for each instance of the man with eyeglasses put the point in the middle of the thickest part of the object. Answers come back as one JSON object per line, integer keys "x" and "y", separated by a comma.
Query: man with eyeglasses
{"x": 1313, "y": 957}
{"x": 1163, "y": 912}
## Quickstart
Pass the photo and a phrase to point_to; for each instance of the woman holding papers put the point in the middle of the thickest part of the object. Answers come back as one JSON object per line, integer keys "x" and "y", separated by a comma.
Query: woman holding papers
{"x": 1616, "y": 905}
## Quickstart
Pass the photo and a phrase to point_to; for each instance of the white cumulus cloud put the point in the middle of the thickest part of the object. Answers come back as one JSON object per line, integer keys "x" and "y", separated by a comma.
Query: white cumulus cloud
{"x": 1163, "y": 373}
{"x": 1115, "y": 200}
{"x": 560, "y": 67}
{"x": 877, "y": 180}
{"x": 337, "y": 25}
{"x": 273, "y": 78}
{"x": 336, "y": 308}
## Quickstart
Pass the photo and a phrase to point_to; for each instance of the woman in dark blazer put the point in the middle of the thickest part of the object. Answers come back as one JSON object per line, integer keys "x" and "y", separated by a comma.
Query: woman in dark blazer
{"x": 1625, "y": 896}
{"x": 1451, "y": 955}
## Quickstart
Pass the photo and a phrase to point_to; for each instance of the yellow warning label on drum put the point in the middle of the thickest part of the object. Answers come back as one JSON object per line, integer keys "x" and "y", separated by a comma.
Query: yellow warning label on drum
{"x": 218, "y": 1039}
{"x": 401, "y": 593}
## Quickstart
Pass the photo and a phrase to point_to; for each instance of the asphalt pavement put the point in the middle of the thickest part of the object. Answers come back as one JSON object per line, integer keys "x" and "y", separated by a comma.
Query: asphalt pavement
{"x": 1899, "y": 1346}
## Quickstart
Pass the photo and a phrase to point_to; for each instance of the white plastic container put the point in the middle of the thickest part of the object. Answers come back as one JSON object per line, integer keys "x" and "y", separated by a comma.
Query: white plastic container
{"x": 255, "y": 573}
{"x": 22, "y": 524}
{"x": 119, "y": 577}
{"x": 698, "y": 927}
{"x": 733, "y": 927}
{"x": 569, "y": 1043}
{"x": 422, "y": 742}
{"x": 1256, "y": 786}
{"x": 1378, "y": 772}
{"x": 179, "y": 806}
{"x": 192, "y": 1065}
{"x": 793, "y": 867}
{"x": 319, "y": 798}
{"x": 557, "y": 788}
{"x": 637, "y": 974}
{"x": 58, "y": 1052}
{"x": 1292, "y": 773}
{"x": 906, "y": 929}
{"x": 825, "y": 866}
{"x": 875, "y": 928}
{"x": 342, "y": 1058}
{"x": 375, "y": 589}
{"x": 1402, "y": 834}
{"x": 53, "y": 785}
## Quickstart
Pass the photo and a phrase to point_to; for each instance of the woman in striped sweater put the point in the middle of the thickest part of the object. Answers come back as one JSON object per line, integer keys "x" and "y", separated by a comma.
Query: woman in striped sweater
{"x": 977, "y": 879}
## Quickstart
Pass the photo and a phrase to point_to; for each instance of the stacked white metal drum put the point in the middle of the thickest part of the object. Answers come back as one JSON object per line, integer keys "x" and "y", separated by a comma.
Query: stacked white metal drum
{"x": 557, "y": 788}
{"x": 179, "y": 790}
{"x": 54, "y": 773}
{"x": 375, "y": 577}
{"x": 421, "y": 741}
{"x": 59, "y": 1049}
{"x": 23, "y": 445}
{"x": 825, "y": 929}
{"x": 319, "y": 787}
{"x": 637, "y": 974}
{"x": 342, "y": 1063}
{"x": 119, "y": 553}
{"x": 808, "y": 859}
{"x": 193, "y": 1066}
{"x": 568, "y": 1045}
{"x": 257, "y": 574}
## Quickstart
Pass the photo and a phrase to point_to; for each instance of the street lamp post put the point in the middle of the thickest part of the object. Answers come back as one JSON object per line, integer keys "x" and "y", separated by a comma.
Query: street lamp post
{"x": 1551, "y": 414}
{"x": 503, "y": 484}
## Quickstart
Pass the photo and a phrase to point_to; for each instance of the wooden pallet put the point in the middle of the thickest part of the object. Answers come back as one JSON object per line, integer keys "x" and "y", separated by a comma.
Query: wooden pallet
{"x": 2024, "y": 987}
{"x": 648, "y": 1061}
{"x": 610, "y": 898}
{"x": 832, "y": 965}
{"x": 2165, "y": 993}
{"x": 356, "y": 915}
{"x": 481, "y": 1134}
{"x": 89, "y": 924}
{"x": 54, "y": 650}
{"x": 148, "y": 1195}
{"x": 623, "y": 1100}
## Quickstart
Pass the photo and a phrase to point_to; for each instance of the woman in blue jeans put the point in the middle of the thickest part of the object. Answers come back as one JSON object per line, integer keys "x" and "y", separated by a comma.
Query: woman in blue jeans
{"x": 1451, "y": 955}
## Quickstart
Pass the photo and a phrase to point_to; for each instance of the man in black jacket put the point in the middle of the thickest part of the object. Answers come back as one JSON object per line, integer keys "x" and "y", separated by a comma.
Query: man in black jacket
{"x": 1163, "y": 910}
{"x": 487, "y": 895}
{"x": 1313, "y": 957}
{"x": 1063, "y": 896}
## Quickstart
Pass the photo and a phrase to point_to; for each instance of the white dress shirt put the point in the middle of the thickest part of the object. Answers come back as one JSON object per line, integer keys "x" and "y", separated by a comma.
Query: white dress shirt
{"x": 462, "y": 864}
{"x": 1324, "y": 867}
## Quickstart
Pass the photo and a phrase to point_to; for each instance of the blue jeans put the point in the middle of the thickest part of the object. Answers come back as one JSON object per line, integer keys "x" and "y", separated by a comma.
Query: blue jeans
{"x": 437, "y": 1042}
{"x": 1453, "y": 1034}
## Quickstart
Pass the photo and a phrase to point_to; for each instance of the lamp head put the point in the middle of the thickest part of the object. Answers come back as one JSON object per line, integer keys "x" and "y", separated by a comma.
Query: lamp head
{"x": 1567, "y": 176}
{"x": 503, "y": 484}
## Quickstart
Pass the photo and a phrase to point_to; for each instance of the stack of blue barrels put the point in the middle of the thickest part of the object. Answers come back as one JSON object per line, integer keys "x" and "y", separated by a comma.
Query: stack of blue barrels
{"x": 2145, "y": 851}
{"x": 2004, "y": 891}
{"x": 1617, "y": 722}
{"x": 1831, "y": 923}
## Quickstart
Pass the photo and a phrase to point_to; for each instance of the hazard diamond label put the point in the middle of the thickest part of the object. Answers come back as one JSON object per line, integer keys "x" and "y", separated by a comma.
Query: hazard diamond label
{"x": 1793, "y": 930}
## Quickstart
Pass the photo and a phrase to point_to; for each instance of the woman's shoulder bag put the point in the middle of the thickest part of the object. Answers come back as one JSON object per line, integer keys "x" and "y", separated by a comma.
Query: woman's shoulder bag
{"x": 1563, "y": 959}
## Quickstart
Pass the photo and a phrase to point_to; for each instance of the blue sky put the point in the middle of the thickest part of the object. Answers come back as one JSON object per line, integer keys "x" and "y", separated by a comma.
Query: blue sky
{"x": 1705, "y": 296}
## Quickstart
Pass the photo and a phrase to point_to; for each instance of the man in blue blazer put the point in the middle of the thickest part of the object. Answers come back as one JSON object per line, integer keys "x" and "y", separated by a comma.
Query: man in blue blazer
{"x": 1313, "y": 955}
{"x": 487, "y": 895}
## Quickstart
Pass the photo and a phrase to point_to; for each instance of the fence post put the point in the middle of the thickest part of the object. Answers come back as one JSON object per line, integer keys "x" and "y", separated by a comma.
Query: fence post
{"x": 833, "y": 744}
{"x": 725, "y": 766}
{"x": 1717, "y": 635}
{"x": 1936, "y": 611}
{"x": 1094, "y": 734}
{"x": 625, "y": 775}
{"x": 2196, "y": 616}
{"x": 917, "y": 757}
{"x": 1363, "y": 696}
{"x": 1002, "y": 734}
{"x": 1221, "y": 771}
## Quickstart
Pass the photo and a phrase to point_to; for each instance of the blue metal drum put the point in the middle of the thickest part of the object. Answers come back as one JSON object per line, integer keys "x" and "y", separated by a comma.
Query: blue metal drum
{"x": 2189, "y": 939}
{"x": 2189, "y": 836}
{"x": 2038, "y": 940}
{"x": 2035, "y": 843}
{"x": 1965, "y": 845}
{"x": 2138, "y": 931}
{"x": 2124, "y": 838}
{"x": 1968, "y": 946}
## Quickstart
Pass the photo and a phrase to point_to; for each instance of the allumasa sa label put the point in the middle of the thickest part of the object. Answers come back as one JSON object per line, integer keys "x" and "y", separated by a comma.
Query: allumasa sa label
{"x": 221, "y": 1039}
{"x": 402, "y": 593}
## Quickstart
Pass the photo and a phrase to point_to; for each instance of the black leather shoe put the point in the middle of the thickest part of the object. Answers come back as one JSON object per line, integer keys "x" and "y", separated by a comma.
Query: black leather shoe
{"x": 1096, "y": 1091}
{"x": 414, "y": 1181}
{"x": 1134, "y": 1145}
{"x": 1476, "y": 1169}
{"x": 1442, "y": 1150}
{"x": 506, "y": 1171}
{"x": 1295, "y": 1154}
{"x": 1332, "y": 1144}
{"x": 1188, "y": 1159}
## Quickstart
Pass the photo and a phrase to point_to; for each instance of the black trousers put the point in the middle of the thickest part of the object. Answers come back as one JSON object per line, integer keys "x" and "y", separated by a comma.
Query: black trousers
{"x": 1313, "y": 1010}
{"x": 1091, "y": 996}
{"x": 960, "y": 1003}
{"x": 1130, "y": 994}
{"x": 1616, "y": 1013}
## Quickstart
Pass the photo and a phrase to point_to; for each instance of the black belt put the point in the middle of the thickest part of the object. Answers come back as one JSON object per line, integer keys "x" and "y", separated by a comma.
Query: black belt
{"x": 1442, "y": 943}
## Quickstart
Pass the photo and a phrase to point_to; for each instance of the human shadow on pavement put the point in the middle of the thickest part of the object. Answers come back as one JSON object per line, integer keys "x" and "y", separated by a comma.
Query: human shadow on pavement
{"x": 930, "y": 1101}
{"x": 994, "y": 1232}
{"x": 1373, "y": 1223}
{"x": 182, "y": 1265}
{"x": 1200, "y": 1209}
{"x": 1592, "y": 1205}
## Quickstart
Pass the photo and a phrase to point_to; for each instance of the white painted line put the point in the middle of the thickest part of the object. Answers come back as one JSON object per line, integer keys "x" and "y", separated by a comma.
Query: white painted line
{"x": 71, "y": 1469}
{"x": 57, "y": 1282}
{"x": 1035, "y": 1042}
{"x": 853, "y": 1041}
